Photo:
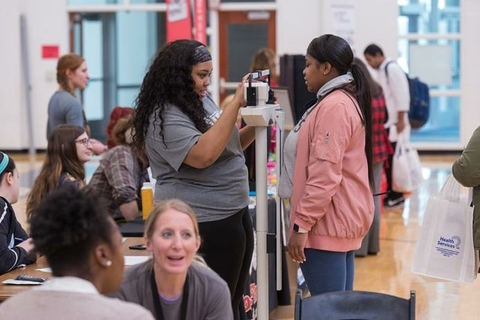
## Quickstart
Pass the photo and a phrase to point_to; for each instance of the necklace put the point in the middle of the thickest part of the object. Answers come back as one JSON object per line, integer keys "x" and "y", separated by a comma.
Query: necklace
{"x": 158, "y": 305}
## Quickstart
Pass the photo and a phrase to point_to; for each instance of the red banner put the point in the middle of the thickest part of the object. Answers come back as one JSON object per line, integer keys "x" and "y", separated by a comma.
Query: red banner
{"x": 201, "y": 21}
{"x": 179, "y": 22}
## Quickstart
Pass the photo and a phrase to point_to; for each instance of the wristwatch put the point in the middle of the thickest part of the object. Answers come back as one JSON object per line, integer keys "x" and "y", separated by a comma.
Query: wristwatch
{"x": 298, "y": 229}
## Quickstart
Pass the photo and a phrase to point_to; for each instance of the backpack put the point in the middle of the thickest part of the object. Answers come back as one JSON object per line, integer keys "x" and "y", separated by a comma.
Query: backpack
{"x": 419, "y": 100}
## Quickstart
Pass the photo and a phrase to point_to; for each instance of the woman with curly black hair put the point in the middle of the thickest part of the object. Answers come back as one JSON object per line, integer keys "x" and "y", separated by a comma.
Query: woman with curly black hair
{"x": 196, "y": 154}
{"x": 82, "y": 245}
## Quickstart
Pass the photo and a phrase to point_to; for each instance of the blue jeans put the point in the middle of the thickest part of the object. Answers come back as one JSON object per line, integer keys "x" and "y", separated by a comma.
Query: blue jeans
{"x": 327, "y": 271}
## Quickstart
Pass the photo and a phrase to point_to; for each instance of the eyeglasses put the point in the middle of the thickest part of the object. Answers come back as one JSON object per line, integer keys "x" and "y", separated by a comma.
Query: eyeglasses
{"x": 85, "y": 141}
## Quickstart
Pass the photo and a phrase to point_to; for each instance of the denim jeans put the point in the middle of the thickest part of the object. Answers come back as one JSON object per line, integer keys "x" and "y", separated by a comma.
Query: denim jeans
{"x": 327, "y": 271}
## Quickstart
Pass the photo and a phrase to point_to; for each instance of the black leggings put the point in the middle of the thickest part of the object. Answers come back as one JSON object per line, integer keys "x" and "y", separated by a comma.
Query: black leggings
{"x": 227, "y": 246}
{"x": 388, "y": 172}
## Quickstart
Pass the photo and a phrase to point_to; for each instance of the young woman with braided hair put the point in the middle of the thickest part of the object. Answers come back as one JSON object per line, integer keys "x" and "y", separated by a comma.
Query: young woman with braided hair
{"x": 64, "y": 107}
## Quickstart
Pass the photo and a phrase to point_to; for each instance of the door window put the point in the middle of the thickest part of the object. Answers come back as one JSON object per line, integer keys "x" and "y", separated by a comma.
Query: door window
{"x": 426, "y": 25}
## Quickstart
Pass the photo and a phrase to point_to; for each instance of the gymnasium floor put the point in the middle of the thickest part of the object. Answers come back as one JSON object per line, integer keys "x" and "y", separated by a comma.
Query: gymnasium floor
{"x": 389, "y": 271}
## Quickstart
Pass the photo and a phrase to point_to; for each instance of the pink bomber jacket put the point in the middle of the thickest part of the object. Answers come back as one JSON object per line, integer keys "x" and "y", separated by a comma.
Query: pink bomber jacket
{"x": 331, "y": 193}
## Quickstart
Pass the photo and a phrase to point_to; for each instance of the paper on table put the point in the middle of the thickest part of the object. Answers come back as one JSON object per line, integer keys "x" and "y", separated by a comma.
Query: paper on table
{"x": 132, "y": 260}
{"x": 21, "y": 282}
{"x": 129, "y": 261}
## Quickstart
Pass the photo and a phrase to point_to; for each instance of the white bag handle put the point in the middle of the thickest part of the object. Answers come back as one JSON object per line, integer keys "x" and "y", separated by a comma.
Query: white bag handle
{"x": 450, "y": 190}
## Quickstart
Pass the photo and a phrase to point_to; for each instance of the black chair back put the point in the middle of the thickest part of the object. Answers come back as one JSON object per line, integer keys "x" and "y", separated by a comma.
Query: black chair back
{"x": 354, "y": 305}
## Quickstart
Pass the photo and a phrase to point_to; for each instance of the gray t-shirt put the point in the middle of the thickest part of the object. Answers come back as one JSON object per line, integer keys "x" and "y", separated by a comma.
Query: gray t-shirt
{"x": 214, "y": 193}
{"x": 63, "y": 108}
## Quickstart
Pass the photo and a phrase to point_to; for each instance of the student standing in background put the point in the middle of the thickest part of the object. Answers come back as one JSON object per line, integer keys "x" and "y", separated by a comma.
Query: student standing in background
{"x": 64, "y": 107}
{"x": 381, "y": 150}
{"x": 397, "y": 95}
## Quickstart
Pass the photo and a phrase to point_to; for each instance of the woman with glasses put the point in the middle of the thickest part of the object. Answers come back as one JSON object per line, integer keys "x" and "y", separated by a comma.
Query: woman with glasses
{"x": 68, "y": 149}
{"x": 330, "y": 164}
{"x": 64, "y": 107}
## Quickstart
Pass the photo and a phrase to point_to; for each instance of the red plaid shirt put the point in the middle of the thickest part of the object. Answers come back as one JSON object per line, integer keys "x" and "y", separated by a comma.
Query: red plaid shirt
{"x": 381, "y": 145}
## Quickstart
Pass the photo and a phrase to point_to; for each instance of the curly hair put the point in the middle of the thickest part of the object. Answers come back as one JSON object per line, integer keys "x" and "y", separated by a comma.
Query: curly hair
{"x": 122, "y": 131}
{"x": 67, "y": 226}
{"x": 168, "y": 82}
{"x": 61, "y": 157}
{"x": 69, "y": 61}
{"x": 116, "y": 114}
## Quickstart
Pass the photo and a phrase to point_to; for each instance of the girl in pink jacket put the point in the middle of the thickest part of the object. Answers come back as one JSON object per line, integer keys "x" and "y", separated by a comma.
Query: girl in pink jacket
{"x": 330, "y": 169}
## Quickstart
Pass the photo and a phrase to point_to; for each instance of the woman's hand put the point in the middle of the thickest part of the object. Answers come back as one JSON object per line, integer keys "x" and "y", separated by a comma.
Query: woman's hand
{"x": 296, "y": 246}
{"x": 27, "y": 245}
{"x": 239, "y": 97}
{"x": 98, "y": 147}
{"x": 401, "y": 122}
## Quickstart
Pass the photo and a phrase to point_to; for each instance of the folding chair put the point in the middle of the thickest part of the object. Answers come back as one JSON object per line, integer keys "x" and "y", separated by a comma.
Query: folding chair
{"x": 354, "y": 305}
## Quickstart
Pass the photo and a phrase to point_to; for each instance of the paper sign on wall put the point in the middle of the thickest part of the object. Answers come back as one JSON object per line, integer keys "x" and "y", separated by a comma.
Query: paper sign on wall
{"x": 343, "y": 23}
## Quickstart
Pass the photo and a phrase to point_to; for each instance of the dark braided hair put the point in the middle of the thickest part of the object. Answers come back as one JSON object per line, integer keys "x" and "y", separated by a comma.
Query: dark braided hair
{"x": 168, "y": 81}
{"x": 336, "y": 51}
{"x": 66, "y": 227}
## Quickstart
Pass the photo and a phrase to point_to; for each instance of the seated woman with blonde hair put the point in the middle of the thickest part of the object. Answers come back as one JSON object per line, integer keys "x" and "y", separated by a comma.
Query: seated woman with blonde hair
{"x": 173, "y": 285}
{"x": 68, "y": 149}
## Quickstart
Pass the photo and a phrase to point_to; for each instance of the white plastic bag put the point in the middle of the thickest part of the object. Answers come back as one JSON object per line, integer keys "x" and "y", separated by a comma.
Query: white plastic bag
{"x": 414, "y": 166}
{"x": 445, "y": 246}
{"x": 406, "y": 167}
{"x": 401, "y": 180}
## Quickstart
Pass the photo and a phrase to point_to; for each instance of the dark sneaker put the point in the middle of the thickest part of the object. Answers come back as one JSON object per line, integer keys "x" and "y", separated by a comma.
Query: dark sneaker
{"x": 393, "y": 203}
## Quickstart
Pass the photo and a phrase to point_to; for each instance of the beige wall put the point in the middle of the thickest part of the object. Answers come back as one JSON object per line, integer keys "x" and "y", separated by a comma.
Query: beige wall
{"x": 298, "y": 22}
